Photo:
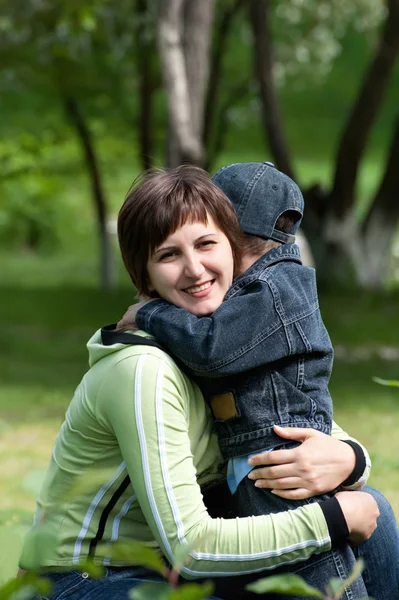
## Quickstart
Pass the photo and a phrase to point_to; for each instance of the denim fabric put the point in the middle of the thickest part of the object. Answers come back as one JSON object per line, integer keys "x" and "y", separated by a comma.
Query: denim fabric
{"x": 250, "y": 500}
{"x": 381, "y": 553}
{"x": 290, "y": 388}
{"x": 260, "y": 194}
{"x": 116, "y": 585}
{"x": 317, "y": 571}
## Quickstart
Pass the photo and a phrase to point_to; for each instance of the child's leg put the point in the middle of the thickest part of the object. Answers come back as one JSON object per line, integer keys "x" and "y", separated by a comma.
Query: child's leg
{"x": 252, "y": 501}
{"x": 316, "y": 571}
{"x": 381, "y": 553}
{"x": 320, "y": 568}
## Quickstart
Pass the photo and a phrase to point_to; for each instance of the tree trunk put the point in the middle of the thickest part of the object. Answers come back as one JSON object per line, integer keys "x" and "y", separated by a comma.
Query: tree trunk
{"x": 382, "y": 220}
{"x": 146, "y": 85}
{"x": 215, "y": 75}
{"x": 221, "y": 123}
{"x": 85, "y": 139}
{"x": 353, "y": 141}
{"x": 344, "y": 249}
{"x": 198, "y": 17}
{"x": 183, "y": 36}
{"x": 263, "y": 60}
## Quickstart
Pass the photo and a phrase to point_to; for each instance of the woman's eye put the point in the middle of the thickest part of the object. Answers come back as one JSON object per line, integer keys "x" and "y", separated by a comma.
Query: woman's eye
{"x": 167, "y": 255}
{"x": 207, "y": 244}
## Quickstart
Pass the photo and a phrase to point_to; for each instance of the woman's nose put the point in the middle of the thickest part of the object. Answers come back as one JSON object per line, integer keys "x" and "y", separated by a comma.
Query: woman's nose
{"x": 193, "y": 268}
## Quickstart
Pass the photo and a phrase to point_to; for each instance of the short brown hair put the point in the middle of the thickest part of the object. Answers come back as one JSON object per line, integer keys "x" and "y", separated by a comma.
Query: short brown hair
{"x": 254, "y": 245}
{"x": 158, "y": 203}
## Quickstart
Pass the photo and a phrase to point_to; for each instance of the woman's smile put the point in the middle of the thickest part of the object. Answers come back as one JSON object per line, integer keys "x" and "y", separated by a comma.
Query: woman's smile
{"x": 193, "y": 268}
{"x": 200, "y": 290}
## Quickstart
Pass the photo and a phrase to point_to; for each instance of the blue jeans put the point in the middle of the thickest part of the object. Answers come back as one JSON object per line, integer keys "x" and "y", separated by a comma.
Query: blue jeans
{"x": 116, "y": 584}
{"x": 380, "y": 578}
{"x": 381, "y": 553}
{"x": 316, "y": 571}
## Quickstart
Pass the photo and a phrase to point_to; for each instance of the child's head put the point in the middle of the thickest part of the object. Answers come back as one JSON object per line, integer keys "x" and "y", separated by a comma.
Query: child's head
{"x": 268, "y": 203}
{"x": 159, "y": 203}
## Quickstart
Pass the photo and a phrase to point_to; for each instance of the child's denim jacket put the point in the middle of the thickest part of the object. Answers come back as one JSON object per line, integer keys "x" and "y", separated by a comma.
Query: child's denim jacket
{"x": 263, "y": 358}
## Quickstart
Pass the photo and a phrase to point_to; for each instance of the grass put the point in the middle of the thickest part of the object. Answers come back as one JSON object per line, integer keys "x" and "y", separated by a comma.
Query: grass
{"x": 43, "y": 335}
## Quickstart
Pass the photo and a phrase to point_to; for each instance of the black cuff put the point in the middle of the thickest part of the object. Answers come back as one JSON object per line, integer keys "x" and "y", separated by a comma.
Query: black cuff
{"x": 360, "y": 463}
{"x": 336, "y": 522}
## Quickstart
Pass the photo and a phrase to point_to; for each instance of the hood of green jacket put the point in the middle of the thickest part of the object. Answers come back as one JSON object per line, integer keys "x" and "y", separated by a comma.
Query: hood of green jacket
{"x": 97, "y": 350}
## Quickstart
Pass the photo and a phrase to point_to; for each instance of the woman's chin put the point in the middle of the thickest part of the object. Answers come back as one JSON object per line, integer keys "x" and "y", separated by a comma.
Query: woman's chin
{"x": 202, "y": 309}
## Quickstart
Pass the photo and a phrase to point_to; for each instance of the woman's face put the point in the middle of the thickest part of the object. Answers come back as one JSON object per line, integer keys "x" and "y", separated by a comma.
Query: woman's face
{"x": 193, "y": 267}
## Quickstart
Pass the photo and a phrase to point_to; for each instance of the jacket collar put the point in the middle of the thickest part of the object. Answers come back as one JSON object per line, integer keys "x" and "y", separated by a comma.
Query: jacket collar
{"x": 287, "y": 252}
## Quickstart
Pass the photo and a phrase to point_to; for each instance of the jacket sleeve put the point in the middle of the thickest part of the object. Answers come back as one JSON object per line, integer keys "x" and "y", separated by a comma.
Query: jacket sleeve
{"x": 153, "y": 413}
{"x": 246, "y": 331}
{"x": 364, "y": 474}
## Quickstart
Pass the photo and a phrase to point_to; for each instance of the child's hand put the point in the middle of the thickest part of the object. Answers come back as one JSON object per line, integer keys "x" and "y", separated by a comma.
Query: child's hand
{"x": 128, "y": 321}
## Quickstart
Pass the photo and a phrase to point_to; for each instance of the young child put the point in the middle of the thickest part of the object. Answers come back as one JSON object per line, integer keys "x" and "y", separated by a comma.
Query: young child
{"x": 264, "y": 357}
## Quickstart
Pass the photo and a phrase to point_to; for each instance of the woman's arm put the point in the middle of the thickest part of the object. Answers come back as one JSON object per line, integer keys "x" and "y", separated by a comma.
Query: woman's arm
{"x": 320, "y": 464}
{"x": 164, "y": 432}
{"x": 362, "y": 467}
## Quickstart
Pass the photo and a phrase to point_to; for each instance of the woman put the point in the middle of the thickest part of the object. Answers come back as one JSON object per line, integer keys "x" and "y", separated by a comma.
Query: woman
{"x": 139, "y": 420}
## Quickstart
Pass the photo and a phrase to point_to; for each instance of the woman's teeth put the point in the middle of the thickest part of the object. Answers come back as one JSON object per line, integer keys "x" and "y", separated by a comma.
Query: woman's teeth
{"x": 198, "y": 288}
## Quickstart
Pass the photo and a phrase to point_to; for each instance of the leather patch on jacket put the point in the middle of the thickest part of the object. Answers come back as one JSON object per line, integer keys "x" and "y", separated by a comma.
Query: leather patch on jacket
{"x": 224, "y": 406}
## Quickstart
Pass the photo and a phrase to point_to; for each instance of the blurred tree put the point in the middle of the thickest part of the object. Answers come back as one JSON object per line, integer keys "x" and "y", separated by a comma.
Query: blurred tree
{"x": 97, "y": 64}
{"x": 147, "y": 79}
{"x": 184, "y": 39}
{"x": 78, "y": 55}
{"x": 339, "y": 243}
{"x": 259, "y": 12}
{"x": 223, "y": 92}
{"x": 43, "y": 45}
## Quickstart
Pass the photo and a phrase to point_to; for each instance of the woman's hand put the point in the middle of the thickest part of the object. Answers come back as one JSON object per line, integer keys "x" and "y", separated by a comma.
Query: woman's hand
{"x": 320, "y": 464}
{"x": 361, "y": 514}
{"x": 128, "y": 321}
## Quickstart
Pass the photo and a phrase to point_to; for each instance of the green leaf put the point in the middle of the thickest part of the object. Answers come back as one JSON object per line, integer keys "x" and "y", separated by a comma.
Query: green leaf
{"x": 387, "y": 382}
{"x": 284, "y": 584}
{"x": 91, "y": 479}
{"x": 93, "y": 570}
{"x": 149, "y": 591}
{"x": 25, "y": 585}
{"x": 11, "y": 542}
{"x": 180, "y": 556}
{"x": 33, "y": 481}
{"x": 135, "y": 553}
{"x": 40, "y": 545}
{"x": 336, "y": 587}
{"x": 87, "y": 19}
{"x": 193, "y": 591}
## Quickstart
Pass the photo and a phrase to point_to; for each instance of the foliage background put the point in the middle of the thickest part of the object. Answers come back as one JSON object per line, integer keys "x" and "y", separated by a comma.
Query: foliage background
{"x": 50, "y": 299}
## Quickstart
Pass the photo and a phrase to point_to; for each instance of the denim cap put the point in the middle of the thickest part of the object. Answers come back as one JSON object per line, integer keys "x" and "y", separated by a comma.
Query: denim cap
{"x": 260, "y": 194}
